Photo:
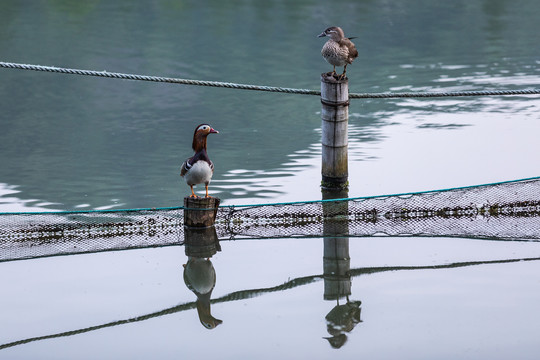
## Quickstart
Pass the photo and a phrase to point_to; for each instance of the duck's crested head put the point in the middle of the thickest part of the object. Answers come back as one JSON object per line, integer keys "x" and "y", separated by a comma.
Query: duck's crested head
{"x": 200, "y": 134}
{"x": 334, "y": 32}
{"x": 205, "y": 129}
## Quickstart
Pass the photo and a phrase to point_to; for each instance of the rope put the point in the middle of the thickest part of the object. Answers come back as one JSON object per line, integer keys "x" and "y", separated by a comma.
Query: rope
{"x": 444, "y": 94}
{"x": 385, "y": 95}
{"x": 383, "y": 196}
{"x": 113, "y": 75}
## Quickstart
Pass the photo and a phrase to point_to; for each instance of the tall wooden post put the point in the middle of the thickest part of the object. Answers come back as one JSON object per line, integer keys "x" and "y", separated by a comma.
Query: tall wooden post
{"x": 335, "y": 119}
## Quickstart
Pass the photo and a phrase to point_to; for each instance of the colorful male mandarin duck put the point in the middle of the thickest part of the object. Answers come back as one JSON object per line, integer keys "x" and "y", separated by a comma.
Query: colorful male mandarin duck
{"x": 338, "y": 50}
{"x": 199, "y": 169}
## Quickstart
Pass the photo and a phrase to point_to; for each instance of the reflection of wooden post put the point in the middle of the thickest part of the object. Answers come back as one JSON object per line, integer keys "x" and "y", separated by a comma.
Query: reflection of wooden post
{"x": 201, "y": 242}
{"x": 335, "y": 118}
{"x": 336, "y": 264}
{"x": 200, "y": 212}
{"x": 336, "y": 260}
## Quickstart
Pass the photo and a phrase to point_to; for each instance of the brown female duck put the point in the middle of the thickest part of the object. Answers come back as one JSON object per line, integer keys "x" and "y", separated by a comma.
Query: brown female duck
{"x": 338, "y": 50}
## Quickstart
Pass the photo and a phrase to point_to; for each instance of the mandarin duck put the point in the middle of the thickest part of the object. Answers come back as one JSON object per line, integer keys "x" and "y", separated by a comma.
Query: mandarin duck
{"x": 199, "y": 169}
{"x": 338, "y": 50}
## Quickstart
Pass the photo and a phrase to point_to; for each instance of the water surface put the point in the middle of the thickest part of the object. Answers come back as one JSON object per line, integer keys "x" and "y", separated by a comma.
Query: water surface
{"x": 75, "y": 143}
{"x": 71, "y": 142}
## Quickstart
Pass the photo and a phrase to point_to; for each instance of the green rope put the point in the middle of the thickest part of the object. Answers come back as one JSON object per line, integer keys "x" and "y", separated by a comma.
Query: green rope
{"x": 359, "y": 198}
{"x": 386, "y": 95}
{"x": 389, "y": 195}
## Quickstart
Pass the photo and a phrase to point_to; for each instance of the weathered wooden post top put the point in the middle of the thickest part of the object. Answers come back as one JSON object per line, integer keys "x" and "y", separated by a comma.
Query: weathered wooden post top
{"x": 335, "y": 121}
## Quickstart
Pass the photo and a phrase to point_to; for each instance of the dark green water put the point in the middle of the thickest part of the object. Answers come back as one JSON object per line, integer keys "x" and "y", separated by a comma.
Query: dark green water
{"x": 70, "y": 142}
{"x": 73, "y": 142}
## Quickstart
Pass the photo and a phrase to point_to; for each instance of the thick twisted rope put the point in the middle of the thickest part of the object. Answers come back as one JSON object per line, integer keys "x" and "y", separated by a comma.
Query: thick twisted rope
{"x": 107, "y": 74}
{"x": 444, "y": 94}
{"x": 386, "y": 95}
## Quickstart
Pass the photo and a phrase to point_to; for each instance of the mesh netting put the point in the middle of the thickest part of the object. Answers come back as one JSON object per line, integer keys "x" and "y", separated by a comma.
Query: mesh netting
{"x": 507, "y": 211}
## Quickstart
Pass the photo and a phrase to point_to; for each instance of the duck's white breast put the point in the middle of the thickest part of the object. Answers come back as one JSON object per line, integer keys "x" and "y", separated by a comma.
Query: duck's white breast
{"x": 200, "y": 173}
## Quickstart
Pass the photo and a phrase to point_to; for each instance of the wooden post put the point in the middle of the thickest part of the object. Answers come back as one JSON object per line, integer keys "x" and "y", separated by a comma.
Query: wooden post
{"x": 200, "y": 212}
{"x": 335, "y": 118}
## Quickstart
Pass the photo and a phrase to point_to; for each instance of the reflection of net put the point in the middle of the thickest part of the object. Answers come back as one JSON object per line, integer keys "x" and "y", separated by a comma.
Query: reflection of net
{"x": 501, "y": 211}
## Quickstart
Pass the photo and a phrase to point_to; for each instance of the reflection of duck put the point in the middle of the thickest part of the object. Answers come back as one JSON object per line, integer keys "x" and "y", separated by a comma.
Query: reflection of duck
{"x": 200, "y": 277}
{"x": 340, "y": 320}
{"x": 338, "y": 50}
{"x": 199, "y": 169}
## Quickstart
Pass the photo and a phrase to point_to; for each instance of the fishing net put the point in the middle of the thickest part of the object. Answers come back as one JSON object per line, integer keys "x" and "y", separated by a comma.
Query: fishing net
{"x": 505, "y": 211}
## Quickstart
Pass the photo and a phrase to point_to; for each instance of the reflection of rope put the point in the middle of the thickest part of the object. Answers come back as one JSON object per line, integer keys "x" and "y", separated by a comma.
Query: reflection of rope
{"x": 235, "y": 296}
{"x": 168, "y": 311}
{"x": 113, "y": 75}
{"x": 248, "y": 294}
{"x": 373, "y": 270}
